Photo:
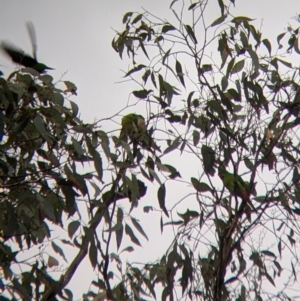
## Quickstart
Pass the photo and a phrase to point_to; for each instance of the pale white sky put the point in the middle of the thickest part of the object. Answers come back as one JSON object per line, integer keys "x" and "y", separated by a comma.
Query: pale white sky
{"x": 75, "y": 37}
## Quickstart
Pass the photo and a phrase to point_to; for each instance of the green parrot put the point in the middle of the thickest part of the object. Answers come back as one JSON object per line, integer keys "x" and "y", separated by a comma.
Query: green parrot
{"x": 20, "y": 57}
{"x": 235, "y": 185}
{"x": 134, "y": 128}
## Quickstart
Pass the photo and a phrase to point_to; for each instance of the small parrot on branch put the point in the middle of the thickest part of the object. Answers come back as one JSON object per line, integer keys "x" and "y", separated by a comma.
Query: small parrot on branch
{"x": 235, "y": 185}
{"x": 18, "y": 56}
{"x": 134, "y": 128}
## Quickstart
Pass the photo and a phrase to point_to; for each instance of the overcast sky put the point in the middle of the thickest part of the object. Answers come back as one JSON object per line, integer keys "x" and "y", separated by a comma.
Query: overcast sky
{"x": 75, "y": 37}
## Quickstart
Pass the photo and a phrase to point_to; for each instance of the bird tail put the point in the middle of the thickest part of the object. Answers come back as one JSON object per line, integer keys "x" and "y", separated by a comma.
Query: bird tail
{"x": 32, "y": 36}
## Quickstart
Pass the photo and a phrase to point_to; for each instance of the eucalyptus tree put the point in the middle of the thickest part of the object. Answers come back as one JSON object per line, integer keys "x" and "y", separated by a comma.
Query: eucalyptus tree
{"x": 207, "y": 153}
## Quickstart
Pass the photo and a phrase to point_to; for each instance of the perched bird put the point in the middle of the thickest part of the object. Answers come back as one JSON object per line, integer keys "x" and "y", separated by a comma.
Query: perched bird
{"x": 134, "y": 128}
{"x": 20, "y": 57}
{"x": 235, "y": 185}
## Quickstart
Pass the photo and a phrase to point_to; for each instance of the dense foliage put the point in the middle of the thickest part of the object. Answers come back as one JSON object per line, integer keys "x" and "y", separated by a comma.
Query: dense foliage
{"x": 216, "y": 118}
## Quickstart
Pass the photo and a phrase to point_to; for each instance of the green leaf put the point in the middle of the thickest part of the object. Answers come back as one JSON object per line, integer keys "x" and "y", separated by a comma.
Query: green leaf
{"x": 77, "y": 147}
{"x": 255, "y": 59}
{"x": 134, "y": 191}
{"x": 287, "y": 64}
{"x": 150, "y": 287}
{"x": 144, "y": 173}
{"x": 146, "y": 75}
{"x": 279, "y": 37}
{"x": 248, "y": 163}
{"x": 46, "y": 79}
{"x": 294, "y": 272}
{"x": 215, "y": 106}
{"x": 221, "y": 4}
{"x": 179, "y": 72}
{"x": 135, "y": 69}
{"x": 241, "y": 19}
{"x": 77, "y": 179}
{"x": 93, "y": 255}
{"x": 167, "y": 27}
{"x": 73, "y": 227}
{"x": 139, "y": 227}
{"x": 126, "y": 17}
{"x": 46, "y": 207}
{"x": 174, "y": 145}
{"x": 224, "y": 83}
{"x": 161, "y": 195}
{"x": 144, "y": 49}
{"x": 128, "y": 249}
{"x": 21, "y": 124}
{"x": 234, "y": 94}
{"x": 153, "y": 79}
{"x": 256, "y": 259}
{"x": 191, "y": 33}
{"x": 147, "y": 209}
{"x": 278, "y": 266}
{"x": 26, "y": 70}
{"x": 115, "y": 228}
{"x": 170, "y": 91}
{"x": 58, "y": 99}
{"x": 74, "y": 107}
{"x": 189, "y": 99}
{"x": 40, "y": 126}
{"x": 267, "y": 43}
{"x": 229, "y": 67}
{"x": 120, "y": 215}
{"x": 193, "y": 5}
{"x": 279, "y": 247}
{"x": 68, "y": 293}
{"x": 219, "y": 20}
{"x": 208, "y": 159}
{"x": 166, "y": 291}
{"x": 174, "y": 173}
{"x": 163, "y": 61}
{"x": 98, "y": 164}
{"x": 154, "y": 175}
{"x": 174, "y": 223}
{"x": 119, "y": 235}
{"x": 268, "y": 253}
{"x": 130, "y": 233}
{"x": 58, "y": 250}
{"x": 52, "y": 262}
{"x": 231, "y": 279}
{"x": 142, "y": 94}
{"x": 196, "y": 137}
{"x": 238, "y": 67}
{"x": 270, "y": 279}
{"x": 69, "y": 194}
{"x": 296, "y": 175}
{"x": 188, "y": 215}
{"x": 187, "y": 273}
{"x": 244, "y": 40}
{"x": 292, "y": 240}
{"x": 137, "y": 19}
{"x": 199, "y": 186}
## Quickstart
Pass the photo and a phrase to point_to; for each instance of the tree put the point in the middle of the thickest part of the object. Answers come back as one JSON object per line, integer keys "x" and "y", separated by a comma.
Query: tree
{"x": 235, "y": 112}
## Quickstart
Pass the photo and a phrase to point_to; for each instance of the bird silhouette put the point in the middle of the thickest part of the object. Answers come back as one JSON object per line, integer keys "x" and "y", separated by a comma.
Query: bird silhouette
{"x": 18, "y": 56}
